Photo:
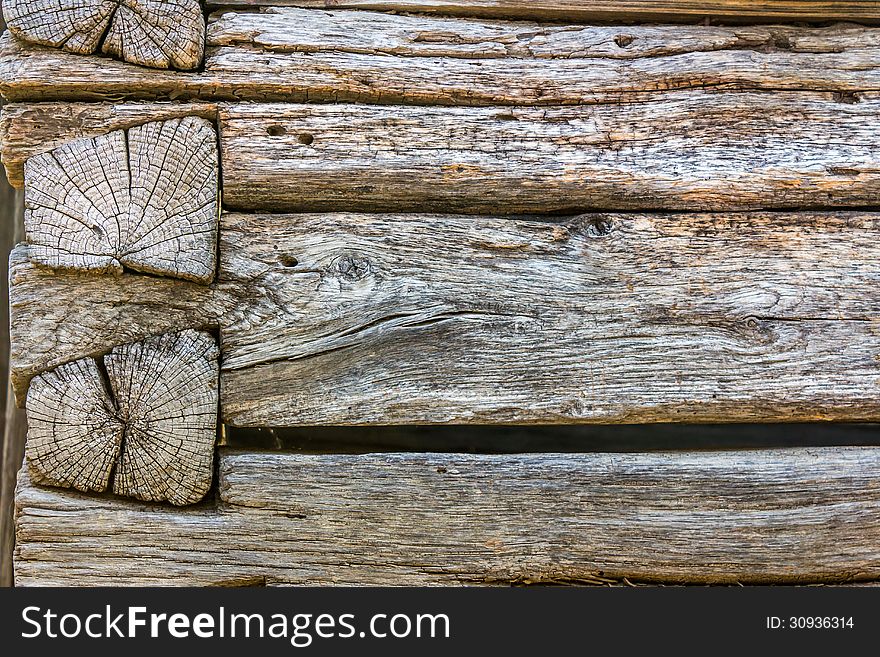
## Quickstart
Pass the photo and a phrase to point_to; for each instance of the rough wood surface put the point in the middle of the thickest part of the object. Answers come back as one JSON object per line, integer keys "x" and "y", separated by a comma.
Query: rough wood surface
{"x": 612, "y": 10}
{"x": 781, "y": 150}
{"x": 85, "y": 315}
{"x": 28, "y": 129}
{"x": 385, "y": 319}
{"x": 73, "y": 432}
{"x": 144, "y": 198}
{"x": 146, "y": 431}
{"x": 781, "y": 516}
{"x": 296, "y": 55}
{"x": 157, "y": 33}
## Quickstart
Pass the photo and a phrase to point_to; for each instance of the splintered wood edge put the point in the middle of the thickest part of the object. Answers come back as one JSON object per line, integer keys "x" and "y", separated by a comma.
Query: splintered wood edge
{"x": 142, "y": 421}
{"x": 102, "y": 203}
{"x": 156, "y": 33}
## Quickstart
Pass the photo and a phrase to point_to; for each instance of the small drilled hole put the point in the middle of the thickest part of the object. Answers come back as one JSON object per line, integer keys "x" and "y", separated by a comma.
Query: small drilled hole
{"x": 847, "y": 97}
{"x": 276, "y": 130}
{"x": 288, "y": 260}
{"x": 782, "y": 42}
{"x": 306, "y": 139}
{"x": 599, "y": 227}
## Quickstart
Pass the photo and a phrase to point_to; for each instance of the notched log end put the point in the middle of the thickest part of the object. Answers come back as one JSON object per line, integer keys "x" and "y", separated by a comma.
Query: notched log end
{"x": 154, "y": 33}
{"x": 144, "y": 199}
{"x": 142, "y": 421}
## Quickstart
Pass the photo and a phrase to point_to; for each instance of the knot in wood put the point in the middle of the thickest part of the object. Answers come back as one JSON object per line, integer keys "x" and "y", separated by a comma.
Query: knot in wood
{"x": 352, "y": 267}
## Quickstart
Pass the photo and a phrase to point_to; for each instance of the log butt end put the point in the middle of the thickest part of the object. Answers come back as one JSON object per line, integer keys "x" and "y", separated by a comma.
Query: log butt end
{"x": 141, "y": 422}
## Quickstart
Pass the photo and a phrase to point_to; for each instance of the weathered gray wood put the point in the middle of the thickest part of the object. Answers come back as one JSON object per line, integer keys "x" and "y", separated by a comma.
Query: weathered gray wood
{"x": 390, "y": 59}
{"x": 144, "y": 198}
{"x": 815, "y": 150}
{"x": 158, "y": 33}
{"x": 780, "y": 516}
{"x": 420, "y": 36}
{"x": 86, "y": 315}
{"x": 147, "y": 431}
{"x": 612, "y": 10}
{"x": 29, "y": 129}
{"x": 74, "y": 434}
{"x": 378, "y": 319}
{"x": 386, "y": 319}
{"x": 165, "y": 388}
{"x": 778, "y": 150}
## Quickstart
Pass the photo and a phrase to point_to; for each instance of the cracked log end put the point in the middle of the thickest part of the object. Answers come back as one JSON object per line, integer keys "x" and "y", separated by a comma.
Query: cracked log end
{"x": 147, "y": 431}
{"x": 145, "y": 199}
{"x": 156, "y": 33}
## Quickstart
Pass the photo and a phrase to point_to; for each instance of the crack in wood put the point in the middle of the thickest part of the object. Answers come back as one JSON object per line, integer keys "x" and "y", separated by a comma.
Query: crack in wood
{"x": 141, "y": 421}
{"x": 145, "y": 198}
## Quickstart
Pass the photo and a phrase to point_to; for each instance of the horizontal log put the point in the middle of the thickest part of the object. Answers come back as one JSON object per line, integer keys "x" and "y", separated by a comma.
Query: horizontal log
{"x": 611, "y": 318}
{"x": 710, "y": 151}
{"x": 773, "y": 516}
{"x": 815, "y": 150}
{"x": 402, "y": 319}
{"x": 616, "y": 10}
{"x": 295, "y": 55}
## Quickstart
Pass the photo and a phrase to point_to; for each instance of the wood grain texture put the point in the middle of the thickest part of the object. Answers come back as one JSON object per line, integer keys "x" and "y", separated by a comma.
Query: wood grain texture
{"x": 27, "y": 130}
{"x": 74, "y": 434}
{"x": 396, "y": 319}
{"x": 86, "y": 315}
{"x": 146, "y": 431}
{"x": 616, "y": 10}
{"x": 311, "y": 56}
{"x": 781, "y": 150}
{"x": 780, "y": 516}
{"x": 157, "y": 33}
{"x": 387, "y": 319}
{"x": 145, "y": 198}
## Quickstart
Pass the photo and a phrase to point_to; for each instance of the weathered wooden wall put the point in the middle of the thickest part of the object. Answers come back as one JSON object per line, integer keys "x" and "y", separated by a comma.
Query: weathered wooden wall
{"x": 655, "y": 223}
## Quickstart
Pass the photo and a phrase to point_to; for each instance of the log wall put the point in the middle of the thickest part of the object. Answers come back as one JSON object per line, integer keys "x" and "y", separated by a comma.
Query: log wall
{"x": 441, "y": 213}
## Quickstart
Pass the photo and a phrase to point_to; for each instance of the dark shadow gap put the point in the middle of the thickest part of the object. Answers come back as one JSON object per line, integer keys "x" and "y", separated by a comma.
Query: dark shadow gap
{"x": 547, "y": 438}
